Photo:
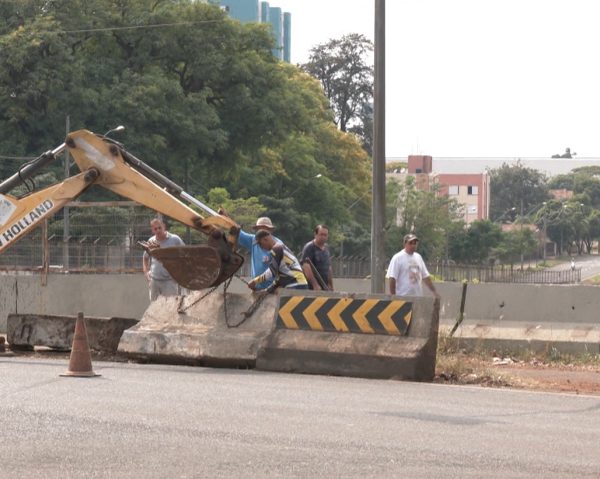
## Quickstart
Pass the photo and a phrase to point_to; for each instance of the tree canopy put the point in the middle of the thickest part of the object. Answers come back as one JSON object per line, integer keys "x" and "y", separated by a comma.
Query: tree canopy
{"x": 342, "y": 66}
{"x": 516, "y": 188}
{"x": 201, "y": 95}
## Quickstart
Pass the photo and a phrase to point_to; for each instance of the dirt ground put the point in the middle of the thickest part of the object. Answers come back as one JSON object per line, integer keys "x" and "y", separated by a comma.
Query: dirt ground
{"x": 578, "y": 376}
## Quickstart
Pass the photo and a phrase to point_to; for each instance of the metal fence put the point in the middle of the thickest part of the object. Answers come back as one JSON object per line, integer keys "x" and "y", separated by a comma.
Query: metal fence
{"x": 95, "y": 237}
{"x": 343, "y": 267}
{"x": 102, "y": 238}
{"x": 503, "y": 274}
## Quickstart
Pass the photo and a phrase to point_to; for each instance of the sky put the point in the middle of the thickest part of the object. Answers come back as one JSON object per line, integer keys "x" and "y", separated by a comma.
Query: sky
{"x": 475, "y": 78}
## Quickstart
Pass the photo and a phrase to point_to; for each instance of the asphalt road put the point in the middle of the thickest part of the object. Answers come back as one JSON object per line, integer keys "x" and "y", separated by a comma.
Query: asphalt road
{"x": 589, "y": 265}
{"x": 156, "y": 421}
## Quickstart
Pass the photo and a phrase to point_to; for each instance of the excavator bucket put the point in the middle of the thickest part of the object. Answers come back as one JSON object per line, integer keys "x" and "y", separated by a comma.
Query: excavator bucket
{"x": 198, "y": 266}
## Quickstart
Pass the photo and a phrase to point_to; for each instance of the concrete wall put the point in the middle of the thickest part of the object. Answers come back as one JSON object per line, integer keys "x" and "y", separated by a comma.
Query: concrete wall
{"x": 126, "y": 295}
{"x": 123, "y": 295}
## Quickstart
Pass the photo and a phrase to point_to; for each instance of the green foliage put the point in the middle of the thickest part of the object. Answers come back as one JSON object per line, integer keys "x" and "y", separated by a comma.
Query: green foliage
{"x": 516, "y": 187}
{"x": 95, "y": 223}
{"x": 515, "y": 244}
{"x": 583, "y": 182}
{"x": 347, "y": 80}
{"x": 424, "y": 213}
{"x": 566, "y": 223}
{"x": 245, "y": 211}
{"x": 292, "y": 226}
{"x": 203, "y": 100}
{"x": 475, "y": 244}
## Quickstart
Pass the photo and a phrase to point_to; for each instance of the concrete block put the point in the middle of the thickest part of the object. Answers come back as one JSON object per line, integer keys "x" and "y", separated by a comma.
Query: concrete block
{"x": 28, "y": 330}
{"x": 211, "y": 331}
{"x": 379, "y": 355}
{"x": 525, "y": 336}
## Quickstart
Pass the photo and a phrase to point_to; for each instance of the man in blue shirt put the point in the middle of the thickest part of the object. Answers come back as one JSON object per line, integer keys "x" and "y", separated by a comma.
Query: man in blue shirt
{"x": 259, "y": 257}
{"x": 284, "y": 269}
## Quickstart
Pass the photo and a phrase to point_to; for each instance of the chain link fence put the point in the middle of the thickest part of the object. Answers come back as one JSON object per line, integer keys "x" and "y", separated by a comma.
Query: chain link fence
{"x": 102, "y": 238}
{"x": 503, "y": 274}
{"x": 85, "y": 237}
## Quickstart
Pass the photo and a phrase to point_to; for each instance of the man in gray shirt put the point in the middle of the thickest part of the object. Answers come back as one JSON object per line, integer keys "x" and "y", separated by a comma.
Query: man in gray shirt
{"x": 160, "y": 281}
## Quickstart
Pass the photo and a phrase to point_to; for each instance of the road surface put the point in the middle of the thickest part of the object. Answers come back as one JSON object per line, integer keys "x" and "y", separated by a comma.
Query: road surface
{"x": 589, "y": 265}
{"x": 157, "y": 421}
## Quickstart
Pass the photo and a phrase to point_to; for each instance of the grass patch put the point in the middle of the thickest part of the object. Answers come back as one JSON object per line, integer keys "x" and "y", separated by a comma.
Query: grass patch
{"x": 450, "y": 350}
{"x": 594, "y": 280}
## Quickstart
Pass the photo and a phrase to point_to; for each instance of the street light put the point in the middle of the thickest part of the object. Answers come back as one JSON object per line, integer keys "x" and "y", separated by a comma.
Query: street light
{"x": 355, "y": 202}
{"x": 348, "y": 208}
{"x": 117, "y": 129}
{"x": 564, "y": 208}
{"x": 510, "y": 210}
{"x": 544, "y": 239}
{"x": 319, "y": 175}
{"x": 522, "y": 217}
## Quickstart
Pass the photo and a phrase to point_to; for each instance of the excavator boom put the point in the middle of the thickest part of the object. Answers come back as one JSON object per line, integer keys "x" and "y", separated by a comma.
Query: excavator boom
{"x": 106, "y": 164}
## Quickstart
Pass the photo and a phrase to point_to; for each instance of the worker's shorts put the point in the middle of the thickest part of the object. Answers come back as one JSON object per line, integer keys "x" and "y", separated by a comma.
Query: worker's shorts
{"x": 163, "y": 287}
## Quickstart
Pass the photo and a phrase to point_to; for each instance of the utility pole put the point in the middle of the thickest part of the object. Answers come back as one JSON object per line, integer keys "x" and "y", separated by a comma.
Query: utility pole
{"x": 521, "y": 232}
{"x": 544, "y": 231}
{"x": 188, "y": 231}
{"x": 66, "y": 223}
{"x": 378, "y": 205}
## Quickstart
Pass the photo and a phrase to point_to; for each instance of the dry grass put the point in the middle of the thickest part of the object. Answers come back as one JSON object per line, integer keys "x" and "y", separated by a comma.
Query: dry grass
{"x": 549, "y": 371}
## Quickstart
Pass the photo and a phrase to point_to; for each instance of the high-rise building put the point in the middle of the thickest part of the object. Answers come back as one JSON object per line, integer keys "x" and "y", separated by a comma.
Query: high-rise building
{"x": 287, "y": 36}
{"x": 243, "y": 10}
{"x": 263, "y": 12}
{"x": 276, "y": 21}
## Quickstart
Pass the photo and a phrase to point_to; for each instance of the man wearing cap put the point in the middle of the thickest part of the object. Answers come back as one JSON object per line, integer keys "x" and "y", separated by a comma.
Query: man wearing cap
{"x": 284, "y": 268}
{"x": 407, "y": 270}
{"x": 259, "y": 257}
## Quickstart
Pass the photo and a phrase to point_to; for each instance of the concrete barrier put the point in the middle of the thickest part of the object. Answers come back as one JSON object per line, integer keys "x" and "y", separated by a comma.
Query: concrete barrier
{"x": 210, "y": 331}
{"x": 517, "y": 318}
{"x": 28, "y": 330}
{"x": 373, "y": 336}
{"x": 100, "y": 295}
{"x": 496, "y": 315}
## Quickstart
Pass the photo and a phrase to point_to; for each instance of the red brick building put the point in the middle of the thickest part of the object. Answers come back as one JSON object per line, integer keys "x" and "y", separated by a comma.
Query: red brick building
{"x": 471, "y": 190}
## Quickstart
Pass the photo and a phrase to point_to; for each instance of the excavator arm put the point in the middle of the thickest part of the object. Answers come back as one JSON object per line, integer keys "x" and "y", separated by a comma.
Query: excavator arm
{"x": 20, "y": 216}
{"x": 106, "y": 164}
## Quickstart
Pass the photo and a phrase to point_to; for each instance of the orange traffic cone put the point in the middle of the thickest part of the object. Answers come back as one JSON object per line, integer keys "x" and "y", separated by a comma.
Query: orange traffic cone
{"x": 80, "y": 362}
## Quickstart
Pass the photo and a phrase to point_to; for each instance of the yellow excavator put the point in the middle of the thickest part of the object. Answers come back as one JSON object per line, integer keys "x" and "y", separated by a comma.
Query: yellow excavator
{"x": 104, "y": 162}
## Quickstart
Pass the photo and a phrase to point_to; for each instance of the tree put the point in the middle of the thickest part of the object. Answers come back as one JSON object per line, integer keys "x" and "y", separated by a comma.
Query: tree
{"x": 426, "y": 213}
{"x": 364, "y": 127}
{"x": 477, "y": 245}
{"x": 516, "y": 187}
{"x": 582, "y": 181}
{"x": 515, "y": 244}
{"x": 347, "y": 80}
{"x": 565, "y": 223}
{"x": 201, "y": 95}
{"x": 593, "y": 229}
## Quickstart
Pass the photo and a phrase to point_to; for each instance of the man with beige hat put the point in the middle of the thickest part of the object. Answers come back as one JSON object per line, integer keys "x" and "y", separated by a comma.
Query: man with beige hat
{"x": 259, "y": 258}
{"x": 407, "y": 271}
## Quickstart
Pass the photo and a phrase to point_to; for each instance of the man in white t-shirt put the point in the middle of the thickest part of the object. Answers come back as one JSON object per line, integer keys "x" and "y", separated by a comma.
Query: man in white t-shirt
{"x": 407, "y": 271}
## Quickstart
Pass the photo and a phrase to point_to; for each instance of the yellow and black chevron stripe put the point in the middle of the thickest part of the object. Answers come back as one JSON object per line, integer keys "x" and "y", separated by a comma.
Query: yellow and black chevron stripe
{"x": 371, "y": 316}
